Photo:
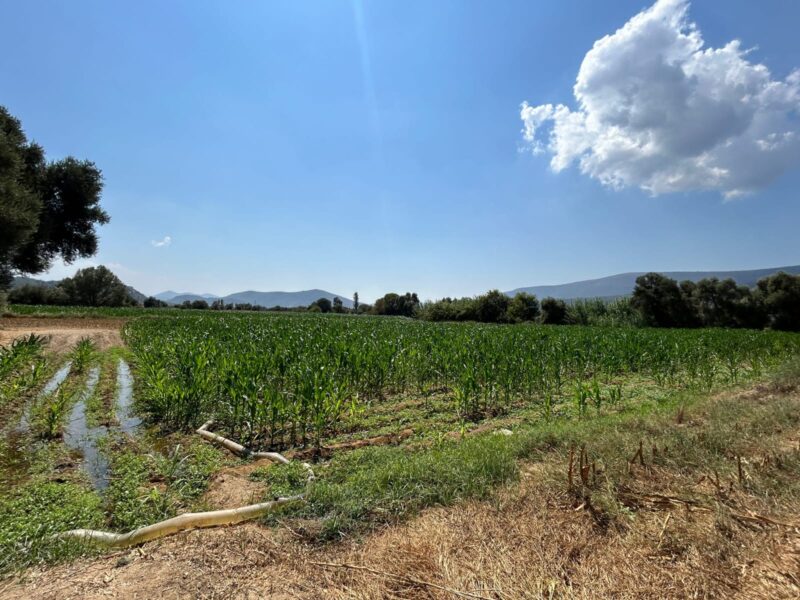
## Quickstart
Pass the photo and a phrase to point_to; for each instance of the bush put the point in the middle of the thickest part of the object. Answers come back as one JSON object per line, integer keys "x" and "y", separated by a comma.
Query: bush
{"x": 523, "y": 307}
{"x": 780, "y": 295}
{"x": 152, "y": 302}
{"x": 661, "y": 302}
{"x": 554, "y": 311}
{"x": 322, "y": 305}
{"x": 492, "y": 307}
{"x": 397, "y": 305}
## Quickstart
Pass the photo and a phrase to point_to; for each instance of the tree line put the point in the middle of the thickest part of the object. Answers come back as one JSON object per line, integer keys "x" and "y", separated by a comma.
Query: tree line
{"x": 774, "y": 302}
{"x": 657, "y": 301}
{"x": 93, "y": 286}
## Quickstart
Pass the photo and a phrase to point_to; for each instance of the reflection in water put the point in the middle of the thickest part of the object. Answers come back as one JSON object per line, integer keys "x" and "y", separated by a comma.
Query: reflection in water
{"x": 52, "y": 385}
{"x": 79, "y": 436}
{"x": 127, "y": 420}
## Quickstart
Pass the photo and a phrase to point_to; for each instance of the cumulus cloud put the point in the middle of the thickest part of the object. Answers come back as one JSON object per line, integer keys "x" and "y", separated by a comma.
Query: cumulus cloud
{"x": 161, "y": 243}
{"x": 658, "y": 110}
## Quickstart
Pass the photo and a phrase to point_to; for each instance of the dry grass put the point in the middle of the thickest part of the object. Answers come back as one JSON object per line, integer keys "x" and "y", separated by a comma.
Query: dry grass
{"x": 63, "y": 334}
{"x": 658, "y": 532}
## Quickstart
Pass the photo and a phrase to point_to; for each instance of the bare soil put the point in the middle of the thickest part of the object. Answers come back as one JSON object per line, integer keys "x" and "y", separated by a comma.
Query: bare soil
{"x": 63, "y": 333}
{"x": 232, "y": 487}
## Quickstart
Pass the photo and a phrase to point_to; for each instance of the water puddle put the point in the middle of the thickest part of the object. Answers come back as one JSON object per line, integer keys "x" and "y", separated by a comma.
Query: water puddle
{"x": 51, "y": 386}
{"x": 80, "y": 437}
{"x": 128, "y": 422}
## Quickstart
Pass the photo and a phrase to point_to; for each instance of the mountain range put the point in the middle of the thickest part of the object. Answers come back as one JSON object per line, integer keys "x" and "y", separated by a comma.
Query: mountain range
{"x": 623, "y": 284}
{"x": 613, "y": 286}
{"x": 265, "y": 299}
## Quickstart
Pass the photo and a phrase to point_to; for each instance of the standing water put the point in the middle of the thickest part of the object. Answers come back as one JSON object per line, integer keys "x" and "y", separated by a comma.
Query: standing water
{"x": 79, "y": 436}
{"x": 127, "y": 420}
{"x": 52, "y": 386}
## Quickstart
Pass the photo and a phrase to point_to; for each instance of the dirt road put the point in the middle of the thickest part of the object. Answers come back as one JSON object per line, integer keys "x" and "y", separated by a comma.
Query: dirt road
{"x": 63, "y": 333}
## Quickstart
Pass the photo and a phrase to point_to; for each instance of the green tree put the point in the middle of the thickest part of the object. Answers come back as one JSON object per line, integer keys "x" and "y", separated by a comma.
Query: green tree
{"x": 724, "y": 304}
{"x": 96, "y": 286}
{"x": 661, "y": 302}
{"x": 523, "y": 307}
{"x": 355, "y": 302}
{"x": 780, "y": 295}
{"x": 38, "y": 294}
{"x": 491, "y": 307}
{"x": 153, "y": 302}
{"x": 397, "y": 305}
{"x": 47, "y": 210}
{"x": 323, "y": 304}
{"x": 554, "y": 311}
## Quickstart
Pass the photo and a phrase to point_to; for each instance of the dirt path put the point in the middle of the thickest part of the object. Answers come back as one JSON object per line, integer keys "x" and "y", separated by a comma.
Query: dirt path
{"x": 63, "y": 333}
{"x": 525, "y": 546}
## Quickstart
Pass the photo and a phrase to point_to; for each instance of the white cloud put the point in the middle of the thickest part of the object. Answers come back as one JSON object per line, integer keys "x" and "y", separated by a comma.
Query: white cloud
{"x": 161, "y": 243}
{"x": 660, "y": 111}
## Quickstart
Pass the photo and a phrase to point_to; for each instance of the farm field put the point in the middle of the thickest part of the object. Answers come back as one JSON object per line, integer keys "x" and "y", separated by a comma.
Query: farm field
{"x": 611, "y": 427}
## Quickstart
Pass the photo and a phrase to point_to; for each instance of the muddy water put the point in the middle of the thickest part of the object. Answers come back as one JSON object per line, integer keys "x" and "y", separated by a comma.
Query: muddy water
{"x": 51, "y": 386}
{"x": 78, "y": 436}
{"x": 128, "y": 422}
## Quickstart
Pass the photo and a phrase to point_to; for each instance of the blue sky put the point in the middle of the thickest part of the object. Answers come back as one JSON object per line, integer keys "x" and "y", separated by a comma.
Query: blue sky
{"x": 373, "y": 147}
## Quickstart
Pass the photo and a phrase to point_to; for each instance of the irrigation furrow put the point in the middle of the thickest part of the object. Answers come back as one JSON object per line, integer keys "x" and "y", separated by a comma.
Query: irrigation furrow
{"x": 128, "y": 421}
{"x": 50, "y": 388}
{"x": 79, "y": 436}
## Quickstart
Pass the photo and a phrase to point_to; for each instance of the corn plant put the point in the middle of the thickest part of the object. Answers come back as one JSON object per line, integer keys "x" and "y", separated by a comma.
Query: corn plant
{"x": 52, "y": 413}
{"x": 83, "y": 354}
{"x": 281, "y": 380}
{"x": 22, "y": 366}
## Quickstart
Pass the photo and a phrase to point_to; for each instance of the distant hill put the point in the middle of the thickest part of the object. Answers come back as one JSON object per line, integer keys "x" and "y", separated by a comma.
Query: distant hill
{"x": 169, "y": 296}
{"x": 137, "y": 296}
{"x": 265, "y": 299}
{"x": 22, "y": 281}
{"x": 623, "y": 284}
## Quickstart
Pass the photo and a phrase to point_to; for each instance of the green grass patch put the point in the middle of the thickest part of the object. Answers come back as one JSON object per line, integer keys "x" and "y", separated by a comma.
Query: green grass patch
{"x": 147, "y": 488}
{"x": 34, "y": 513}
{"x": 359, "y": 490}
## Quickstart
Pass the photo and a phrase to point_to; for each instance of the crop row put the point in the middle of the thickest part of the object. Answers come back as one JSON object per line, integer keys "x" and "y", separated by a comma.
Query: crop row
{"x": 22, "y": 364}
{"x": 279, "y": 380}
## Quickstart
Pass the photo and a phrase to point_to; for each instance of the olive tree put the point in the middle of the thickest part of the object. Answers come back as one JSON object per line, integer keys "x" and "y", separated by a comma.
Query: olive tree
{"x": 48, "y": 210}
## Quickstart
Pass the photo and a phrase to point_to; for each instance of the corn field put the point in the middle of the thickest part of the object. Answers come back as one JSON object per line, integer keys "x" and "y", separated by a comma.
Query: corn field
{"x": 282, "y": 380}
{"x": 22, "y": 365}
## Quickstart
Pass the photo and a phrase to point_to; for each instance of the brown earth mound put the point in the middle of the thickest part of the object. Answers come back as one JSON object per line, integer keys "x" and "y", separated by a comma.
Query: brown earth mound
{"x": 63, "y": 334}
{"x": 232, "y": 487}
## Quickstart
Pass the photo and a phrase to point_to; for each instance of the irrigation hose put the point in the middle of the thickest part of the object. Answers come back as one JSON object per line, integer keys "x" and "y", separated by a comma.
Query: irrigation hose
{"x": 200, "y": 520}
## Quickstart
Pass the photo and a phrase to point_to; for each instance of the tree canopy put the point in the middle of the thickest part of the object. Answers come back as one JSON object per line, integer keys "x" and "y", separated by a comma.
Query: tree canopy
{"x": 47, "y": 209}
{"x": 96, "y": 286}
{"x": 93, "y": 286}
{"x": 554, "y": 311}
{"x": 395, "y": 304}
